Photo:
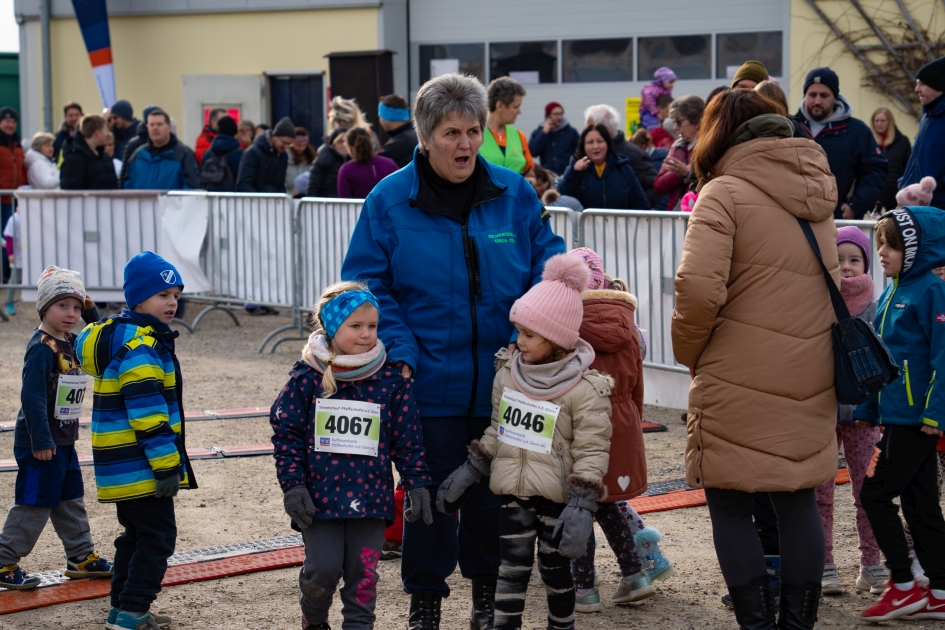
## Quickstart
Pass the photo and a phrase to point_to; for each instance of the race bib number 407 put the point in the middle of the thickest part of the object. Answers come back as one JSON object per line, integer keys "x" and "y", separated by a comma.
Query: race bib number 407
{"x": 347, "y": 426}
{"x": 70, "y": 393}
{"x": 527, "y": 423}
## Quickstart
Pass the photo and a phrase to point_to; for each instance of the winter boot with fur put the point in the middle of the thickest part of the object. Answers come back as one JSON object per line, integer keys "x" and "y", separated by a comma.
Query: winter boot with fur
{"x": 656, "y": 565}
{"x": 424, "y": 612}
{"x": 754, "y": 606}
{"x": 799, "y": 605}
{"x": 482, "y": 616}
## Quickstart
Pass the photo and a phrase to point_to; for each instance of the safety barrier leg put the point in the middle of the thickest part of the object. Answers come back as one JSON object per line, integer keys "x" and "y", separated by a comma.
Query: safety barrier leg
{"x": 214, "y": 307}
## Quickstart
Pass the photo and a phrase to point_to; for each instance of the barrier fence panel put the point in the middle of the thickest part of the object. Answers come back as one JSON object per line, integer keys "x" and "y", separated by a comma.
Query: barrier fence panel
{"x": 643, "y": 248}
{"x": 325, "y": 228}
{"x": 93, "y": 232}
{"x": 564, "y": 224}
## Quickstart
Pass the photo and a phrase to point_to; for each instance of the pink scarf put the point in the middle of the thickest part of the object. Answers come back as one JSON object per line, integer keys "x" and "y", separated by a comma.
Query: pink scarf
{"x": 857, "y": 293}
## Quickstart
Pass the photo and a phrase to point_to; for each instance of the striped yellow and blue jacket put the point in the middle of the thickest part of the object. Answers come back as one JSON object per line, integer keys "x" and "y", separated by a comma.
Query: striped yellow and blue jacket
{"x": 137, "y": 420}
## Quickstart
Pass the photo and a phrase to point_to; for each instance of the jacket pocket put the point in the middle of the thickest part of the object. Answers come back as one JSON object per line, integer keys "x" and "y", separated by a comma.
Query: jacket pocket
{"x": 907, "y": 382}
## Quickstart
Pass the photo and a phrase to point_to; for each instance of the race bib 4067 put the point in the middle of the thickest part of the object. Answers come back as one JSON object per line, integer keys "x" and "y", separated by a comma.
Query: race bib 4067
{"x": 347, "y": 426}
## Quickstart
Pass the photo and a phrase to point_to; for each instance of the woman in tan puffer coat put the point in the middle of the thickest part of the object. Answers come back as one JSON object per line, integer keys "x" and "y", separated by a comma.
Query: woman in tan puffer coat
{"x": 752, "y": 319}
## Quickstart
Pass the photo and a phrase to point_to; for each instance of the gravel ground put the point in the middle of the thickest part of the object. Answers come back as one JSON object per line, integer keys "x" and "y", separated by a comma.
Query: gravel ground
{"x": 239, "y": 500}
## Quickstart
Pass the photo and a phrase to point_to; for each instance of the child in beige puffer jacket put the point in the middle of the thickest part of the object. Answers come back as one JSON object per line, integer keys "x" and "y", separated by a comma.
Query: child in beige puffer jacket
{"x": 547, "y": 450}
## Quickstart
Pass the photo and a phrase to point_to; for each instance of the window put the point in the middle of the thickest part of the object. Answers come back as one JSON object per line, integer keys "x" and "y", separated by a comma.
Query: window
{"x": 526, "y": 62}
{"x": 589, "y": 60}
{"x": 689, "y": 56}
{"x": 446, "y": 58}
{"x": 736, "y": 48}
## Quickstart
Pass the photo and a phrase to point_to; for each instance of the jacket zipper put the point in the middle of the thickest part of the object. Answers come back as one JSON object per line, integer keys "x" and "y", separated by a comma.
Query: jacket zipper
{"x": 907, "y": 382}
{"x": 564, "y": 482}
{"x": 928, "y": 397}
{"x": 470, "y": 251}
{"x": 882, "y": 327}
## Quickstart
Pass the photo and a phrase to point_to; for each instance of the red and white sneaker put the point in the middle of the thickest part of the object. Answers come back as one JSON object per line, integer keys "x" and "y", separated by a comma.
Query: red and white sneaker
{"x": 934, "y": 609}
{"x": 894, "y": 603}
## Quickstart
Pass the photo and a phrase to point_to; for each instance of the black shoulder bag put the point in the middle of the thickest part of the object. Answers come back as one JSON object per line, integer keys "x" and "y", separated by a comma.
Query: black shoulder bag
{"x": 862, "y": 361}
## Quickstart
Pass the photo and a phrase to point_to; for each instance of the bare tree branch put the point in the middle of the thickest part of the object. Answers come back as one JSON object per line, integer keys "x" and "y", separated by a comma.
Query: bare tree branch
{"x": 882, "y": 38}
{"x": 916, "y": 31}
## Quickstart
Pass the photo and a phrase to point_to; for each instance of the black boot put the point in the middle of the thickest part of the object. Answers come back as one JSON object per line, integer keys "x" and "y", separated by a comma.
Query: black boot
{"x": 754, "y": 607}
{"x": 424, "y": 612}
{"x": 799, "y": 605}
{"x": 483, "y": 605}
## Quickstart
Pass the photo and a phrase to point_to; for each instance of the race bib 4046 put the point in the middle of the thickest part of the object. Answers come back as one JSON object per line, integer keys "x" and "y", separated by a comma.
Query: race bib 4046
{"x": 347, "y": 426}
{"x": 527, "y": 423}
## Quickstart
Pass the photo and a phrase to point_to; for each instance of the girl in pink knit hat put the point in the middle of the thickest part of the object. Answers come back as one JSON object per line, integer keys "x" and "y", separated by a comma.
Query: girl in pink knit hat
{"x": 547, "y": 449}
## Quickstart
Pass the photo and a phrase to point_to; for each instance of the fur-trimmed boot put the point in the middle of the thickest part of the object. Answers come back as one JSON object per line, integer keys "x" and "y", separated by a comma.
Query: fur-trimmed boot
{"x": 656, "y": 565}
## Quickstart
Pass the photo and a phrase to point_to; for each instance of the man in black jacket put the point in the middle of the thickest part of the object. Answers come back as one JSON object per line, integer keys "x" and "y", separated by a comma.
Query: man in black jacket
{"x": 124, "y": 125}
{"x": 394, "y": 114}
{"x": 263, "y": 166}
{"x": 640, "y": 160}
{"x": 72, "y": 113}
{"x": 855, "y": 159}
{"x": 85, "y": 165}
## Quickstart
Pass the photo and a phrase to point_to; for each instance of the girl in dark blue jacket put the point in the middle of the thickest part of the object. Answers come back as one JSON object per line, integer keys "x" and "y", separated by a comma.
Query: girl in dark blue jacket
{"x": 599, "y": 178}
{"x": 345, "y": 413}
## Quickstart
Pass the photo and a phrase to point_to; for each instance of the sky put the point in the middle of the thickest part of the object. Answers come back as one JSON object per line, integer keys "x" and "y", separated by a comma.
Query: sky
{"x": 9, "y": 31}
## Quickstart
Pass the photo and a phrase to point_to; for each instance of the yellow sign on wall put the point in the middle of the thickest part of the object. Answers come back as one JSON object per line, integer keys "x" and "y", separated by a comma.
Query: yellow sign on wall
{"x": 633, "y": 114}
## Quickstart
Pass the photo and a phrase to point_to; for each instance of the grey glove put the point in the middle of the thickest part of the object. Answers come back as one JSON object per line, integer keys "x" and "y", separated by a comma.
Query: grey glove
{"x": 576, "y": 523}
{"x": 459, "y": 485}
{"x": 299, "y": 506}
{"x": 419, "y": 506}
{"x": 168, "y": 486}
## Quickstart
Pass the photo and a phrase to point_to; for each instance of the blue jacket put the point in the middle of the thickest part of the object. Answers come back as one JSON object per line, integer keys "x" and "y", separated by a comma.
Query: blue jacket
{"x": 446, "y": 285}
{"x": 231, "y": 147}
{"x": 854, "y": 158}
{"x": 343, "y": 485}
{"x": 910, "y": 319}
{"x": 554, "y": 149}
{"x": 619, "y": 188}
{"x": 928, "y": 152}
{"x": 261, "y": 168}
{"x": 172, "y": 167}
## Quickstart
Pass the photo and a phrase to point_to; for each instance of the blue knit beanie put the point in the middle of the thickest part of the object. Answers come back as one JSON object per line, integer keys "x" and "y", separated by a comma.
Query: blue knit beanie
{"x": 148, "y": 274}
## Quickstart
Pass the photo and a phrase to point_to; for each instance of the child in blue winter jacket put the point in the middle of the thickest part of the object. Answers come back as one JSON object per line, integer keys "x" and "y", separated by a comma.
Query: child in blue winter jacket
{"x": 345, "y": 413}
{"x": 911, "y": 321}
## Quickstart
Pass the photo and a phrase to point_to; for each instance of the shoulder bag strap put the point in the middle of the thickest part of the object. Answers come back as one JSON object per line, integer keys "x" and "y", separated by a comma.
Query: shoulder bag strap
{"x": 839, "y": 306}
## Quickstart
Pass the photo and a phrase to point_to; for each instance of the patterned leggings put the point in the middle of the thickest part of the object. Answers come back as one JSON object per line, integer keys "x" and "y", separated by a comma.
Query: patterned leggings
{"x": 618, "y": 534}
{"x": 858, "y": 445}
{"x": 521, "y": 522}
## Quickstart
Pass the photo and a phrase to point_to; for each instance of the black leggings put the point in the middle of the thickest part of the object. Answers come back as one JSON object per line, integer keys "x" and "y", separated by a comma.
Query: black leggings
{"x": 738, "y": 546}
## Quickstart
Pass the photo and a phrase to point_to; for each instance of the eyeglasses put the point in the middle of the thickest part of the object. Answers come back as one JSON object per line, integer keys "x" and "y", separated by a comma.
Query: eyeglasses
{"x": 678, "y": 122}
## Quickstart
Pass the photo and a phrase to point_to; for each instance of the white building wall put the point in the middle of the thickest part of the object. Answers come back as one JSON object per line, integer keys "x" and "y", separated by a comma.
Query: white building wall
{"x": 458, "y": 21}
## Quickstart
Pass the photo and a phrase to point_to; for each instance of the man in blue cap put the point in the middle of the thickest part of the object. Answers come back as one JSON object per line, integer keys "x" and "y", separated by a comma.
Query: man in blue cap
{"x": 855, "y": 159}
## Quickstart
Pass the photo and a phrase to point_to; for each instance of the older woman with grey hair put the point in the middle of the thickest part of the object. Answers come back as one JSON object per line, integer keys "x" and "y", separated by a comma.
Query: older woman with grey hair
{"x": 447, "y": 244}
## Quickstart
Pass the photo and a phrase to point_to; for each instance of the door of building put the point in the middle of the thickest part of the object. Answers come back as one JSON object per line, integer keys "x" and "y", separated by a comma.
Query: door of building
{"x": 301, "y": 98}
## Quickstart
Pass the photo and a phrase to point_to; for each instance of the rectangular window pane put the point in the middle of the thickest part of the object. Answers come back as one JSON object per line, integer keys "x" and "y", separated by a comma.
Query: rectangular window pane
{"x": 588, "y": 60}
{"x": 526, "y": 62}
{"x": 445, "y": 58}
{"x": 689, "y": 56}
{"x": 736, "y": 48}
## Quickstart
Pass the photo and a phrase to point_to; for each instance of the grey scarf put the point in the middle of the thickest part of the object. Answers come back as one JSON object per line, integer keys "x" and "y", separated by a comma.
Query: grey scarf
{"x": 550, "y": 380}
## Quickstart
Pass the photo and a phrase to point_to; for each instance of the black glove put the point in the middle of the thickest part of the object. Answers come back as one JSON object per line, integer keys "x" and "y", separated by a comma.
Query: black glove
{"x": 459, "y": 485}
{"x": 299, "y": 506}
{"x": 576, "y": 523}
{"x": 168, "y": 486}
{"x": 419, "y": 506}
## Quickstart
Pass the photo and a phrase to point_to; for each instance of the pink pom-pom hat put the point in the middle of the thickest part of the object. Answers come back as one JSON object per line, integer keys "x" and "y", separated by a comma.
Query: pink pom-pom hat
{"x": 552, "y": 308}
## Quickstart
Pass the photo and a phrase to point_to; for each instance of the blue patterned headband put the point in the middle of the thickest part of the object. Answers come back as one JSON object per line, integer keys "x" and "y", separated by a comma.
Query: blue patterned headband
{"x": 393, "y": 114}
{"x": 338, "y": 309}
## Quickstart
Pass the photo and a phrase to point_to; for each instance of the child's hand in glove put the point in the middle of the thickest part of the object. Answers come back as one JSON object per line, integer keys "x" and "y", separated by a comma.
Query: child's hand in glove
{"x": 459, "y": 485}
{"x": 419, "y": 506}
{"x": 168, "y": 486}
{"x": 576, "y": 523}
{"x": 299, "y": 506}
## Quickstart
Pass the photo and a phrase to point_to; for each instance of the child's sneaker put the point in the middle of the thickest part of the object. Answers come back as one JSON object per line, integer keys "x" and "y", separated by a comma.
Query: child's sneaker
{"x": 917, "y": 571}
{"x": 12, "y": 576}
{"x": 873, "y": 579}
{"x": 587, "y": 602}
{"x": 656, "y": 565}
{"x": 127, "y": 621}
{"x": 895, "y": 603}
{"x": 92, "y": 566}
{"x": 163, "y": 622}
{"x": 934, "y": 609}
{"x": 391, "y": 550}
{"x": 11, "y": 309}
{"x": 830, "y": 583}
{"x": 633, "y": 589}
{"x": 321, "y": 626}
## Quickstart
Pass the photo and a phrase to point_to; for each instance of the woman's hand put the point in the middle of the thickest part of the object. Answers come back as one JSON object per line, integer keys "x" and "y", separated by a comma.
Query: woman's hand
{"x": 676, "y": 166}
{"x": 582, "y": 164}
{"x": 406, "y": 371}
{"x": 931, "y": 430}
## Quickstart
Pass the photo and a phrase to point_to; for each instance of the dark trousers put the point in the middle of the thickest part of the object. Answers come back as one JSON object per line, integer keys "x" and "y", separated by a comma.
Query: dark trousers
{"x": 738, "y": 545}
{"x": 907, "y": 467}
{"x": 141, "y": 552}
{"x": 522, "y": 522}
{"x": 766, "y": 522}
{"x": 430, "y": 552}
{"x": 617, "y": 530}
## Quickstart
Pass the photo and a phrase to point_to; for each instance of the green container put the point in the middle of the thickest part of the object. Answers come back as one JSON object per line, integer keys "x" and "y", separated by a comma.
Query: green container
{"x": 10, "y": 80}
